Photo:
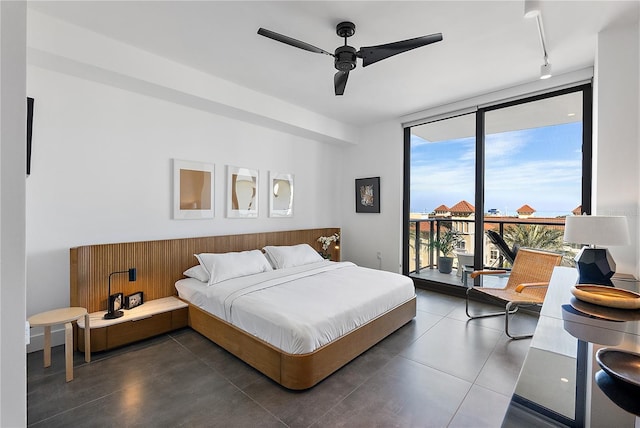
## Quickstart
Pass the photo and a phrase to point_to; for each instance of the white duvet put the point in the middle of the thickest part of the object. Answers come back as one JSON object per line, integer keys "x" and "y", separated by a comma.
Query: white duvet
{"x": 302, "y": 308}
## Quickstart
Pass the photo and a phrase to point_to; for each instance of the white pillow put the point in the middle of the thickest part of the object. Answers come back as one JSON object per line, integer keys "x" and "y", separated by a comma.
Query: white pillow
{"x": 232, "y": 265}
{"x": 293, "y": 255}
{"x": 197, "y": 272}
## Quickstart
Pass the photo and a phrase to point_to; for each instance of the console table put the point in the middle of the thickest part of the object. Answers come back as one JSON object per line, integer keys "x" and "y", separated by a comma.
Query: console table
{"x": 560, "y": 379}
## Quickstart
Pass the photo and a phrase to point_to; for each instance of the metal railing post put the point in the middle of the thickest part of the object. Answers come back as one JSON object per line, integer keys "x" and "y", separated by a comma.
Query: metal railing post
{"x": 418, "y": 246}
{"x": 430, "y": 245}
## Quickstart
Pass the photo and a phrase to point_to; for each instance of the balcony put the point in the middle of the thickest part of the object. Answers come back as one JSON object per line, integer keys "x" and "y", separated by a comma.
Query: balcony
{"x": 542, "y": 233}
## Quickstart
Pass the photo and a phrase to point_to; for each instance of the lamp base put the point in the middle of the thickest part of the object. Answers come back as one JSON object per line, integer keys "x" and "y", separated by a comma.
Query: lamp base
{"x": 113, "y": 315}
{"x": 595, "y": 266}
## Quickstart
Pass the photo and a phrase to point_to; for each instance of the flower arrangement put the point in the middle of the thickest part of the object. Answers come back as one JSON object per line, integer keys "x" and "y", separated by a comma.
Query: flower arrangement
{"x": 326, "y": 241}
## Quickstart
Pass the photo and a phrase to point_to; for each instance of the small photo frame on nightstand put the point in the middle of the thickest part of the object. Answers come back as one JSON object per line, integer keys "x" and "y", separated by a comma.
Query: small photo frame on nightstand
{"x": 115, "y": 302}
{"x": 133, "y": 300}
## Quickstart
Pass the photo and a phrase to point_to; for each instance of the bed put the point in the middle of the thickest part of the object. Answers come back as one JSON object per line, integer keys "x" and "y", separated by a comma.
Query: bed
{"x": 293, "y": 362}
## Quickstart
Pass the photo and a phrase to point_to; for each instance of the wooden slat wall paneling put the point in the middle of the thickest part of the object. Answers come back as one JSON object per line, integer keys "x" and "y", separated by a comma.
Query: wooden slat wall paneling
{"x": 160, "y": 263}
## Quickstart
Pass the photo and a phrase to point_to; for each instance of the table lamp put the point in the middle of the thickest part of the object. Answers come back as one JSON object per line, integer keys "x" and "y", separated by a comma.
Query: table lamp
{"x": 112, "y": 311}
{"x": 595, "y": 265}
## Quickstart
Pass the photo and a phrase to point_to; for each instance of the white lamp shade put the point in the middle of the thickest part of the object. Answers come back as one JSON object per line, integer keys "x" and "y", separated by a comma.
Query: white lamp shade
{"x": 596, "y": 230}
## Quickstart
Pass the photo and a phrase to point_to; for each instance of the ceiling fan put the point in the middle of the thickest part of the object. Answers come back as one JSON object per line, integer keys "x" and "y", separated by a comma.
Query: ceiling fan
{"x": 345, "y": 56}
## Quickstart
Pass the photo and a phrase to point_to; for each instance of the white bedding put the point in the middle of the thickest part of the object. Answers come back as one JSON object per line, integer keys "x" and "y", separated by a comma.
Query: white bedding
{"x": 302, "y": 308}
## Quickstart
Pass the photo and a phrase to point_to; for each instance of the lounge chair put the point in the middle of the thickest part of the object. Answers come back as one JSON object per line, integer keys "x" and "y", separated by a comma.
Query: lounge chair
{"x": 527, "y": 284}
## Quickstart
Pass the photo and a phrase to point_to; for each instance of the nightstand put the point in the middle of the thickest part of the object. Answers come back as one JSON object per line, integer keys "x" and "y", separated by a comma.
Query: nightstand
{"x": 152, "y": 318}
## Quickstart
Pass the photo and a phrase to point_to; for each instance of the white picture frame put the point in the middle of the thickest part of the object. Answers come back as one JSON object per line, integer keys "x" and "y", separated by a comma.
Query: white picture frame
{"x": 281, "y": 190}
{"x": 242, "y": 192}
{"x": 193, "y": 190}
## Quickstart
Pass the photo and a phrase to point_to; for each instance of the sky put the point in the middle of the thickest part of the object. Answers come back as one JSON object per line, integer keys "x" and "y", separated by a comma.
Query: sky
{"x": 540, "y": 167}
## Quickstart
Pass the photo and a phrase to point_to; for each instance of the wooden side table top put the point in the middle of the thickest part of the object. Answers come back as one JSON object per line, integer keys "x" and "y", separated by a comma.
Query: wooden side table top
{"x": 57, "y": 316}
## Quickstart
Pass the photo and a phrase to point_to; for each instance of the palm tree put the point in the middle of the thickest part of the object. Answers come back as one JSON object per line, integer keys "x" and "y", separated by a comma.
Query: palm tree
{"x": 534, "y": 236}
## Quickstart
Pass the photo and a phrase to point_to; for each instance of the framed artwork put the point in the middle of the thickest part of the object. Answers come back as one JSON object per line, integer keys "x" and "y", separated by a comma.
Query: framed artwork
{"x": 242, "y": 192}
{"x": 192, "y": 190}
{"x": 368, "y": 195}
{"x": 280, "y": 194}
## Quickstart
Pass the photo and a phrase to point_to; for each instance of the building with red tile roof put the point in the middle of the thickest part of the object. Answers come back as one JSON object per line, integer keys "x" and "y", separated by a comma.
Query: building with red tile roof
{"x": 525, "y": 211}
{"x": 463, "y": 209}
{"x": 442, "y": 210}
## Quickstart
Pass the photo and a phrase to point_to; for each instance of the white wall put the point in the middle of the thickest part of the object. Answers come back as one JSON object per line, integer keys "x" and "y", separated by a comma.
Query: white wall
{"x": 616, "y": 189}
{"x": 380, "y": 154}
{"x": 13, "y": 369}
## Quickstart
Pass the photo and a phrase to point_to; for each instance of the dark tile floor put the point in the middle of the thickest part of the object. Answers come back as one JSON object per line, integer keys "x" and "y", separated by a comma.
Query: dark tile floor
{"x": 439, "y": 370}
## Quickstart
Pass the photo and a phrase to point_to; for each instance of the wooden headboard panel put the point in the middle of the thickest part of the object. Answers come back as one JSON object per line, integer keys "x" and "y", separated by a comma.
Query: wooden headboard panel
{"x": 160, "y": 264}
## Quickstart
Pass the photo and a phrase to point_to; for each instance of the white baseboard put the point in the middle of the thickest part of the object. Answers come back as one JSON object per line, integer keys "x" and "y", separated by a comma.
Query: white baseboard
{"x": 37, "y": 338}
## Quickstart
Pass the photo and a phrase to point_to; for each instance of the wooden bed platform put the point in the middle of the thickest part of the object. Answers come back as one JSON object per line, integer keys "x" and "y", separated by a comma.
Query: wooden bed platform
{"x": 161, "y": 263}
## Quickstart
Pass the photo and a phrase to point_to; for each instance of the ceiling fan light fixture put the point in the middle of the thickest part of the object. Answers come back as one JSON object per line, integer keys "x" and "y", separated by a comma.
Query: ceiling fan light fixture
{"x": 531, "y": 8}
{"x": 545, "y": 71}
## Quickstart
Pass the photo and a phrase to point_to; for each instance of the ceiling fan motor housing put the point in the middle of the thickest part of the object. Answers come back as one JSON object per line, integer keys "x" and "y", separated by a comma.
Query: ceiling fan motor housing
{"x": 345, "y": 58}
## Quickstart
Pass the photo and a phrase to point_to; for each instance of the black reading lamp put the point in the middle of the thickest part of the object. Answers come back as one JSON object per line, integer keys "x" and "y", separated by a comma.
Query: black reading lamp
{"x": 114, "y": 302}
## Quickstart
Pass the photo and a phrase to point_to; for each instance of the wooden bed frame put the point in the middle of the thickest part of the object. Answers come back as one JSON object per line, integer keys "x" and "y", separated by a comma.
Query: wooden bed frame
{"x": 161, "y": 263}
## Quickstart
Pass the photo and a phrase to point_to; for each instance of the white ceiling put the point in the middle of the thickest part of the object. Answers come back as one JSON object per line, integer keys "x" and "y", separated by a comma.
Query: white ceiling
{"x": 488, "y": 45}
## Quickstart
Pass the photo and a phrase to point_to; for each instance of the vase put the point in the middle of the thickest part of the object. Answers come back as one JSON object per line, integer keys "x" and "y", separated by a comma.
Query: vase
{"x": 445, "y": 264}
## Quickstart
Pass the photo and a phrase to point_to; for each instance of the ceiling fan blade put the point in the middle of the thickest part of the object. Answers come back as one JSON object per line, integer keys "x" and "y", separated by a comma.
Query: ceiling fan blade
{"x": 373, "y": 54}
{"x": 291, "y": 41}
{"x": 340, "y": 81}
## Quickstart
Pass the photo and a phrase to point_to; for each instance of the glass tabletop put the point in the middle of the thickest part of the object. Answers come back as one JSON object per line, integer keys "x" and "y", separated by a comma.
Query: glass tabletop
{"x": 561, "y": 381}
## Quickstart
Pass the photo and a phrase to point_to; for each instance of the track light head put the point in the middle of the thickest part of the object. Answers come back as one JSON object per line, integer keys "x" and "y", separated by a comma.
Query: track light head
{"x": 545, "y": 70}
{"x": 531, "y": 8}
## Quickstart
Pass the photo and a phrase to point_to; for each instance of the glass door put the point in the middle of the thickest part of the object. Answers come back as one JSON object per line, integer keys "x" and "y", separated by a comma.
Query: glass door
{"x": 516, "y": 169}
{"x": 442, "y": 212}
{"x": 533, "y": 172}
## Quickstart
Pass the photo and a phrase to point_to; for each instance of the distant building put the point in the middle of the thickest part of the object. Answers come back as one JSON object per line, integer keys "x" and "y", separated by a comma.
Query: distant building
{"x": 461, "y": 217}
{"x": 525, "y": 211}
{"x": 577, "y": 210}
{"x": 442, "y": 211}
{"x": 462, "y": 209}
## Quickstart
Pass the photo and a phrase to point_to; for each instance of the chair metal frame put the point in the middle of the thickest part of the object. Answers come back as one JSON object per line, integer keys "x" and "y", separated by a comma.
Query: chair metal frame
{"x": 527, "y": 285}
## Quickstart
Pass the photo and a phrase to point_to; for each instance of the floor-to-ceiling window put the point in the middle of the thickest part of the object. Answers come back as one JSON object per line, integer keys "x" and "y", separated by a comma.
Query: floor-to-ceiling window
{"x": 517, "y": 168}
{"x": 442, "y": 171}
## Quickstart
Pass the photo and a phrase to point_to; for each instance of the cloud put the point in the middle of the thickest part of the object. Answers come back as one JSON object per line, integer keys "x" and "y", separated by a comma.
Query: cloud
{"x": 503, "y": 148}
{"x": 531, "y": 166}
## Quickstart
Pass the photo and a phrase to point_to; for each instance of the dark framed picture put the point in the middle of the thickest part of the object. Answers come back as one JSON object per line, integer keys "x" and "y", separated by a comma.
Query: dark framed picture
{"x": 133, "y": 300}
{"x": 115, "y": 302}
{"x": 368, "y": 195}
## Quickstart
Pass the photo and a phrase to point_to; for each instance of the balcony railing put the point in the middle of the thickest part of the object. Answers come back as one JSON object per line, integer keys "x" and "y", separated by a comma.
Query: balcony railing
{"x": 422, "y": 231}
